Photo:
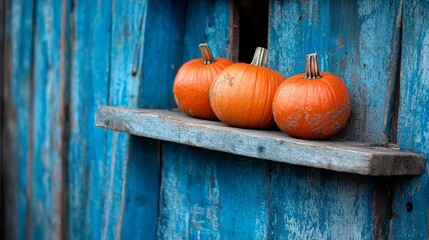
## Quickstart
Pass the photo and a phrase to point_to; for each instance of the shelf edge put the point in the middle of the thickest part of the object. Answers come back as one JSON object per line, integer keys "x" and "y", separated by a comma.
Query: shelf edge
{"x": 337, "y": 156}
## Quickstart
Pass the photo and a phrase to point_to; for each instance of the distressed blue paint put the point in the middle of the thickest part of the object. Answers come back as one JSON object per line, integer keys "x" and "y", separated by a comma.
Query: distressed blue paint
{"x": 310, "y": 203}
{"x": 413, "y": 127}
{"x": 160, "y": 58}
{"x": 143, "y": 63}
{"x": 141, "y": 199}
{"x": 91, "y": 21}
{"x": 161, "y": 53}
{"x": 19, "y": 42}
{"x": 212, "y": 195}
{"x": 50, "y": 81}
{"x": 114, "y": 178}
{"x": 124, "y": 88}
{"x": 206, "y": 21}
{"x": 202, "y": 195}
{"x": 357, "y": 40}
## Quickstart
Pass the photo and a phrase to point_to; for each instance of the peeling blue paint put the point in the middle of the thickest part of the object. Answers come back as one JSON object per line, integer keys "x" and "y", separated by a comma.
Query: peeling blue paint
{"x": 70, "y": 179}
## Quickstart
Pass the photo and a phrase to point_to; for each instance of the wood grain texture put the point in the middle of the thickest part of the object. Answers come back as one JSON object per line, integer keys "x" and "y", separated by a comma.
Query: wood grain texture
{"x": 127, "y": 30}
{"x": 49, "y": 103}
{"x": 89, "y": 87}
{"x": 353, "y": 157}
{"x": 357, "y": 40}
{"x": 411, "y": 198}
{"x": 206, "y": 21}
{"x": 17, "y": 88}
{"x": 3, "y": 7}
{"x": 318, "y": 204}
{"x": 212, "y": 195}
{"x": 196, "y": 195}
{"x": 65, "y": 58}
{"x": 160, "y": 60}
{"x": 198, "y": 209}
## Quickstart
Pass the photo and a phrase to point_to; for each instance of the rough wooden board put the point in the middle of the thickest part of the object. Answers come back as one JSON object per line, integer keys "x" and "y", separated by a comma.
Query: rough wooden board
{"x": 160, "y": 58}
{"x": 309, "y": 203}
{"x": 202, "y": 195}
{"x": 2, "y": 98}
{"x": 214, "y": 195}
{"x": 206, "y": 22}
{"x": 350, "y": 157}
{"x": 411, "y": 195}
{"x": 357, "y": 40}
{"x": 49, "y": 101}
{"x": 125, "y": 74}
{"x": 89, "y": 87}
{"x": 17, "y": 87}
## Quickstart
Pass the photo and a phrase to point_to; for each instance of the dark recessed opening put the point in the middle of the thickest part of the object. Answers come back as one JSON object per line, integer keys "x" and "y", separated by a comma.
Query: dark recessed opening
{"x": 253, "y": 28}
{"x": 409, "y": 206}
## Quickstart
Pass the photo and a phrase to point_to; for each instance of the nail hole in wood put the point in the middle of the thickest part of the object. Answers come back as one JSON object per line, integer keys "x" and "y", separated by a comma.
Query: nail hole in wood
{"x": 409, "y": 206}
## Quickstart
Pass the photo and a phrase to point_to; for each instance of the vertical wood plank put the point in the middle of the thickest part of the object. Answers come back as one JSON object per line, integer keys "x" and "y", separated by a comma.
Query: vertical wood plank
{"x": 161, "y": 55}
{"x": 50, "y": 100}
{"x": 126, "y": 36}
{"x": 209, "y": 22}
{"x": 17, "y": 87}
{"x": 89, "y": 88}
{"x": 207, "y": 194}
{"x": 3, "y": 8}
{"x": 357, "y": 40}
{"x": 211, "y": 195}
{"x": 144, "y": 59}
{"x": 411, "y": 196}
{"x": 311, "y": 203}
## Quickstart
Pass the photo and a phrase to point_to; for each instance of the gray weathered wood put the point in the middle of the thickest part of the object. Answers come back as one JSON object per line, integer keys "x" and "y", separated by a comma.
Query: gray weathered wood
{"x": 352, "y": 157}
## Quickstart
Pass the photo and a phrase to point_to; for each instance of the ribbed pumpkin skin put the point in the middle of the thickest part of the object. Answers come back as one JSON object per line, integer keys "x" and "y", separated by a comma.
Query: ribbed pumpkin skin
{"x": 192, "y": 85}
{"x": 242, "y": 95}
{"x": 312, "y": 109}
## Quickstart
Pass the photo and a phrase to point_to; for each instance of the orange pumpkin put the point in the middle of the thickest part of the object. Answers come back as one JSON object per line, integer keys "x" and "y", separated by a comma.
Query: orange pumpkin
{"x": 242, "y": 94}
{"x": 192, "y": 83}
{"x": 312, "y": 105}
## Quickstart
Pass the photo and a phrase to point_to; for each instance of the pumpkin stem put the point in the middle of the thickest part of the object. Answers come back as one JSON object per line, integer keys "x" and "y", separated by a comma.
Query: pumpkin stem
{"x": 312, "y": 66}
{"x": 206, "y": 53}
{"x": 260, "y": 58}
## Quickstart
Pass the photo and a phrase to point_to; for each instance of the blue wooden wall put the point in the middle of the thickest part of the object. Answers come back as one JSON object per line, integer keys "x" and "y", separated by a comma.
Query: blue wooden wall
{"x": 67, "y": 179}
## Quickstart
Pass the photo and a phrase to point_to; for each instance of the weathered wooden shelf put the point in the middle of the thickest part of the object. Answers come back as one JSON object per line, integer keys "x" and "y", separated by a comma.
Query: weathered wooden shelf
{"x": 342, "y": 156}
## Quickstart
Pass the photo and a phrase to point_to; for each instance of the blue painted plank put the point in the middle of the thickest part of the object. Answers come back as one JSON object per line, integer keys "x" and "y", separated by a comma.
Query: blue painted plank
{"x": 310, "y": 203}
{"x": 143, "y": 62}
{"x": 161, "y": 52}
{"x": 18, "y": 117}
{"x": 411, "y": 196}
{"x": 89, "y": 88}
{"x": 50, "y": 98}
{"x": 207, "y": 21}
{"x": 207, "y": 194}
{"x": 4, "y": 8}
{"x": 126, "y": 35}
{"x": 212, "y": 195}
{"x": 357, "y": 40}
